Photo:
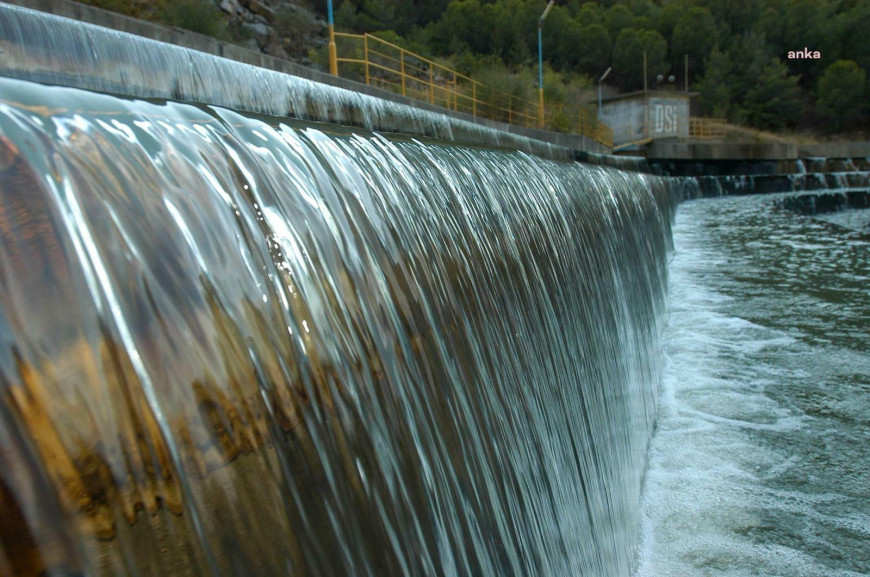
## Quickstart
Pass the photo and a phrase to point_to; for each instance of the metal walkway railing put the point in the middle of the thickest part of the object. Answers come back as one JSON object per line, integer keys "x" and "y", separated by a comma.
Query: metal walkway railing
{"x": 380, "y": 63}
{"x": 693, "y": 128}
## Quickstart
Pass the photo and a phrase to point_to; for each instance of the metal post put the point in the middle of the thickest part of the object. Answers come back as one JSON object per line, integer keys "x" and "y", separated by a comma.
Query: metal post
{"x": 646, "y": 115}
{"x": 644, "y": 71}
{"x": 540, "y": 75}
{"x": 333, "y": 52}
{"x": 600, "y": 80}
{"x": 366, "y": 56}
{"x": 686, "y": 73}
{"x": 431, "y": 85}
{"x": 541, "y": 63}
{"x": 402, "y": 66}
{"x": 473, "y": 98}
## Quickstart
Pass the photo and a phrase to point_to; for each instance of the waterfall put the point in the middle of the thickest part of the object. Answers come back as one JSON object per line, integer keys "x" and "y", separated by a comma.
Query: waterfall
{"x": 715, "y": 186}
{"x": 54, "y": 50}
{"x": 235, "y": 345}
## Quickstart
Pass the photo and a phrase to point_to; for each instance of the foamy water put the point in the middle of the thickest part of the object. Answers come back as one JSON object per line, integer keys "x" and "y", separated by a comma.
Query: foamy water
{"x": 759, "y": 464}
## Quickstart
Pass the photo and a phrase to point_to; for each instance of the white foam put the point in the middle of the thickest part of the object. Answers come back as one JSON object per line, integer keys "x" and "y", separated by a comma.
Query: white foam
{"x": 705, "y": 501}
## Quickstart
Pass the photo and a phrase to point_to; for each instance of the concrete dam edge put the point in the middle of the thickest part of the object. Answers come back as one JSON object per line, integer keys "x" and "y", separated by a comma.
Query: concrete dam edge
{"x": 54, "y": 69}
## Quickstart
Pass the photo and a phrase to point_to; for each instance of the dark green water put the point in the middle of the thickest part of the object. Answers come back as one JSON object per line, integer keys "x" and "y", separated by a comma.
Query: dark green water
{"x": 760, "y": 462}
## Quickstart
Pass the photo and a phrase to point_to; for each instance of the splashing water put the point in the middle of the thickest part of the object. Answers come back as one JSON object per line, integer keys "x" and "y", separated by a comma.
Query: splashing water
{"x": 236, "y": 346}
{"x": 50, "y": 49}
{"x": 760, "y": 458}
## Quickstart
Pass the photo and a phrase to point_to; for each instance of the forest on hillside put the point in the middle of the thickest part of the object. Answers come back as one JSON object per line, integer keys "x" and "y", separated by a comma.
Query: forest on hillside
{"x": 737, "y": 50}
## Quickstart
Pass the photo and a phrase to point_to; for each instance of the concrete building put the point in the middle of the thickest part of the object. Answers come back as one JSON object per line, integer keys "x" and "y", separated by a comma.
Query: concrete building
{"x": 638, "y": 118}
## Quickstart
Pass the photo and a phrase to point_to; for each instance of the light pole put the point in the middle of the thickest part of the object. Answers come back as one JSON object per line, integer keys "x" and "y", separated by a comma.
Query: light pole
{"x": 333, "y": 53}
{"x": 600, "y": 80}
{"x": 541, "y": 64}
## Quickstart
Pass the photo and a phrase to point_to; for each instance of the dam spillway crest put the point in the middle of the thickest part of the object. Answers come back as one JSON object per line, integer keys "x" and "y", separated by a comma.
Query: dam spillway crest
{"x": 235, "y": 346}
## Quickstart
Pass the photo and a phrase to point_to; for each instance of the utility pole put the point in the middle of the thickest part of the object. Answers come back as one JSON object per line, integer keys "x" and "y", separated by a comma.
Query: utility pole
{"x": 686, "y": 72}
{"x": 644, "y": 70}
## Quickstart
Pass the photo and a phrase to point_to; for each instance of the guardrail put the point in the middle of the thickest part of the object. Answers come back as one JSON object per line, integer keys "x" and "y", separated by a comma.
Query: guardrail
{"x": 590, "y": 126}
{"x": 387, "y": 65}
{"x": 693, "y": 128}
{"x": 705, "y": 128}
{"x": 378, "y": 62}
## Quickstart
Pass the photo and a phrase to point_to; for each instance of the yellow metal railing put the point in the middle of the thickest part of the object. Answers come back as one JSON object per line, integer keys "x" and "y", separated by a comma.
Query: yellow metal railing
{"x": 633, "y": 135}
{"x": 591, "y": 127}
{"x": 691, "y": 128}
{"x": 381, "y": 63}
{"x": 705, "y": 128}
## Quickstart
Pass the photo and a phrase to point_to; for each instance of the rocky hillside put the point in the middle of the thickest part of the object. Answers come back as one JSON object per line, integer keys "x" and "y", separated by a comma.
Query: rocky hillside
{"x": 281, "y": 28}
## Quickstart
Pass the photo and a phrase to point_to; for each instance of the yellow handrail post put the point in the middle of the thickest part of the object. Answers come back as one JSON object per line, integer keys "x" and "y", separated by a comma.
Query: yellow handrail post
{"x": 455, "y": 92}
{"x": 473, "y": 98}
{"x": 431, "y": 85}
{"x": 402, "y": 66}
{"x": 510, "y": 110}
{"x": 366, "y": 56}
{"x": 333, "y": 52}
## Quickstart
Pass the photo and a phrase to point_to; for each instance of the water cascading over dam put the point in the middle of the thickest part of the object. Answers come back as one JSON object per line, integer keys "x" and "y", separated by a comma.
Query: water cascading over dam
{"x": 238, "y": 345}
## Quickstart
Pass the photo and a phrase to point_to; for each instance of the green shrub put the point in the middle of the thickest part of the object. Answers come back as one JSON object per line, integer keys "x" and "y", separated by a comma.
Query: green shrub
{"x": 197, "y": 16}
{"x": 841, "y": 94}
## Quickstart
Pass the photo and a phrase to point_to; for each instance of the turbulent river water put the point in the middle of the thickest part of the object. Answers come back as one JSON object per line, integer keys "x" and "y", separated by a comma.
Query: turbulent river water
{"x": 760, "y": 461}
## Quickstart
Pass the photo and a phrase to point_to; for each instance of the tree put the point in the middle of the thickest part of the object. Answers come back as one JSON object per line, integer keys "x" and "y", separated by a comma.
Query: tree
{"x": 852, "y": 31}
{"x": 376, "y": 15}
{"x": 656, "y": 48}
{"x": 715, "y": 86}
{"x": 841, "y": 94}
{"x": 590, "y": 13}
{"x": 456, "y": 27}
{"x": 752, "y": 53}
{"x": 426, "y": 11}
{"x": 774, "y": 101}
{"x": 618, "y": 18}
{"x": 593, "y": 49}
{"x": 628, "y": 57}
{"x": 507, "y": 38}
{"x": 771, "y": 26}
{"x": 561, "y": 33}
{"x": 668, "y": 18}
{"x": 807, "y": 24}
{"x": 694, "y": 34}
{"x": 734, "y": 17}
{"x": 643, "y": 8}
